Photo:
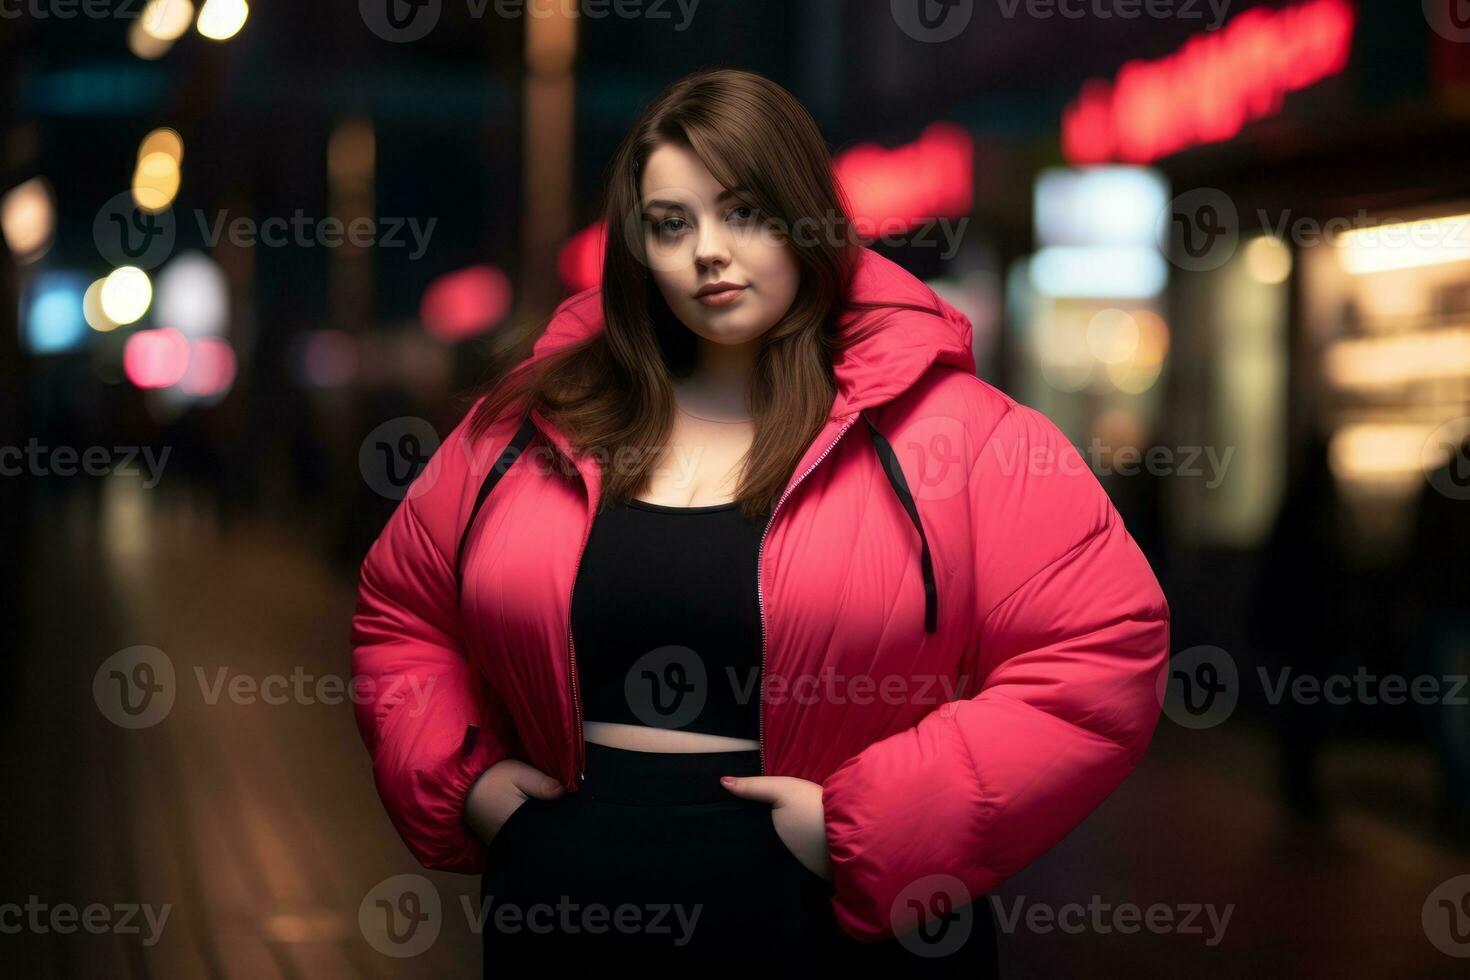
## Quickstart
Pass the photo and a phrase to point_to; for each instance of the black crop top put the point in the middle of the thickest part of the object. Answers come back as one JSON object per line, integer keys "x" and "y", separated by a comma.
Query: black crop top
{"x": 666, "y": 624}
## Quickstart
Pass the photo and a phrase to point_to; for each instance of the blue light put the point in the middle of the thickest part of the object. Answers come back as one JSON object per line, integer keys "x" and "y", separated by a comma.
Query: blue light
{"x": 55, "y": 322}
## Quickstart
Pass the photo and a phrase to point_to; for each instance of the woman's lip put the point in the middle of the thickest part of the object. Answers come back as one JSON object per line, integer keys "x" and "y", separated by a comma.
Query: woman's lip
{"x": 722, "y": 298}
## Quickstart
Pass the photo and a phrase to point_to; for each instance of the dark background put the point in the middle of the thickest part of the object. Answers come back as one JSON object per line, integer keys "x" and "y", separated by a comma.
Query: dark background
{"x": 1330, "y": 831}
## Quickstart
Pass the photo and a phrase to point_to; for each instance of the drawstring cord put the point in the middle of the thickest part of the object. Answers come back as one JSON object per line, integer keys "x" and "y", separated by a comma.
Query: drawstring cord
{"x": 900, "y": 486}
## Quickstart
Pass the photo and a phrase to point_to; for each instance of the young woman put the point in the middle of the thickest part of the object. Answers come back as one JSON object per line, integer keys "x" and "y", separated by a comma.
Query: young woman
{"x": 741, "y": 620}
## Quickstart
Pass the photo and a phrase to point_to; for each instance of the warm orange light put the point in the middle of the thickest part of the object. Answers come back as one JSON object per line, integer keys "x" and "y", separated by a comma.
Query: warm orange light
{"x": 163, "y": 140}
{"x": 28, "y": 219}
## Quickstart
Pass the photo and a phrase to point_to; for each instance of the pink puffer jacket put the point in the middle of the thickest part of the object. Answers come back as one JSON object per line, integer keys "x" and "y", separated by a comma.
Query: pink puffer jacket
{"x": 962, "y": 641}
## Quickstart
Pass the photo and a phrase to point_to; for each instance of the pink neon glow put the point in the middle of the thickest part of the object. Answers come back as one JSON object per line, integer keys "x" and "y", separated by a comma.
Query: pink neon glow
{"x": 892, "y": 190}
{"x": 156, "y": 358}
{"x": 1208, "y": 90}
{"x": 211, "y": 368}
{"x": 464, "y": 303}
{"x": 580, "y": 261}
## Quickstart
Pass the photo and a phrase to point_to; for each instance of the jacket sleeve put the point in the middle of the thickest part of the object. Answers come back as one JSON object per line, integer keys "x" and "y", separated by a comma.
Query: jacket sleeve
{"x": 429, "y": 721}
{"x": 1073, "y": 638}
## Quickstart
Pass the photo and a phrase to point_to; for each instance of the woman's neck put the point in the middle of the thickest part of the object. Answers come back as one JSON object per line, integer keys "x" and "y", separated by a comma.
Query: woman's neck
{"x": 719, "y": 385}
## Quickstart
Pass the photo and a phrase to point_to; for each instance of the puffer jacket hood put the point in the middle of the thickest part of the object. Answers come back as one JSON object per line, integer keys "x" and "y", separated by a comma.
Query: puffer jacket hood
{"x": 955, "y": 741}
{"x": 888, "y": 346}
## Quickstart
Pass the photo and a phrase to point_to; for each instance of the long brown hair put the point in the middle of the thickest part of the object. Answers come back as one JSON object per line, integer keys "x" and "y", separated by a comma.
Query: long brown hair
{"x": 613, "y": 393}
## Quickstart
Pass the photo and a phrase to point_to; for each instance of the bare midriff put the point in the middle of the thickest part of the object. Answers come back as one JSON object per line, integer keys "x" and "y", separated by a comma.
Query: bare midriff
{"x": 643, "y": 738}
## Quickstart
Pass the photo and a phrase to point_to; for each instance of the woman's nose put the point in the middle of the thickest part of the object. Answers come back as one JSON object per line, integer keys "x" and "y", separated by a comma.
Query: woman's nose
{"x": 713, "y": 246}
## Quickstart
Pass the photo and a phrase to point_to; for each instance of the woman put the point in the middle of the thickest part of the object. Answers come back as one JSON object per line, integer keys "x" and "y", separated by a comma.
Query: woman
{"x": 769, "y": 526}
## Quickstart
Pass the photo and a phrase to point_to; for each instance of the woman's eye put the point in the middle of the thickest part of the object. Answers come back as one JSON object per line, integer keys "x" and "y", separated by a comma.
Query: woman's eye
{"x": 663, "y": 227}
{"x": 749, "y": 214}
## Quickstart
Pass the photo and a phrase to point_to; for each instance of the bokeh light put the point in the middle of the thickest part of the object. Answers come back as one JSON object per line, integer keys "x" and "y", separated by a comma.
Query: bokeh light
{"x": 211, "y": 368}
{"x": 1268, "y": 260}
{"x": 166, "y": 20}
{"x": 163, "y": 140}
{"x": 126, "y": 294}
{"x": 28, "y": 219}
{"x": 92, "y": 310}
{"x": 327, "y": 359}
{"x": 193, "y": 295}
{"x": 1112, "y": 336}
{"x": 464, "y": 303}
{"x": 145, "y": 45}
{"x": 54, "y": 320}
{"x": 156, "y": 358}
{"x": 155, "y": 182}
{"x": 220, "y": 20}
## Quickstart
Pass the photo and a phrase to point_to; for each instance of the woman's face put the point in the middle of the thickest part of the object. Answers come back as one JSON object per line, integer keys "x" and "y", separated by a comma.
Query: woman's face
{"x": 698, "y": 233}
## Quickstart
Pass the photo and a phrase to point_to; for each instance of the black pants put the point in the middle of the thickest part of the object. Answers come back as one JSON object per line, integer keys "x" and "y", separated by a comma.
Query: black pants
{"x": 654, "y": 863}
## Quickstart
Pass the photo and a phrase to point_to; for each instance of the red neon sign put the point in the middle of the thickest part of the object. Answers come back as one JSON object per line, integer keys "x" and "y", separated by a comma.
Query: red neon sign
{"x": 890, "y": 191}
{"x": 1208, "y": 90}
{"x": 893, "y": 191}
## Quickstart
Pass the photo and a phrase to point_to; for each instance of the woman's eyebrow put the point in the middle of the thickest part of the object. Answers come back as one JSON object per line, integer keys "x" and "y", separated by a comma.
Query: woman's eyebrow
{"x": 725, "y": 195}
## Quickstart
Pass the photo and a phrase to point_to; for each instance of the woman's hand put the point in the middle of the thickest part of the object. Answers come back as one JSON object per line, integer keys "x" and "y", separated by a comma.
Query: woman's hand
{"x": 796, "y": 811}
{"x": 501, "y": 790}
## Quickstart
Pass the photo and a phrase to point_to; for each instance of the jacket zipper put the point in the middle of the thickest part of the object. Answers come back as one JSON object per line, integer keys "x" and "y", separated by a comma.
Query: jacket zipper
{"x": 572, "y": 659}
{"x": 581, "y": 760}
{"x": 760, "y": 598}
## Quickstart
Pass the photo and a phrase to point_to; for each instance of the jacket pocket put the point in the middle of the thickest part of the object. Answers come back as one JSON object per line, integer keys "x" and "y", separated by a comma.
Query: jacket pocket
{"x": 789, "y": 859}
{"x": 510, "y": 822}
